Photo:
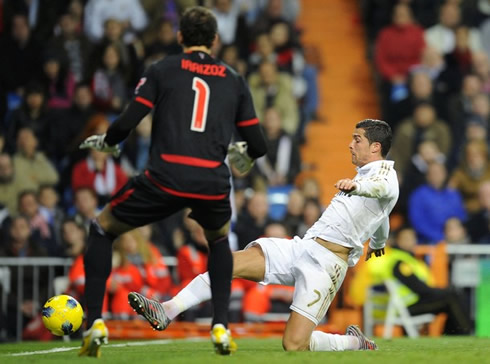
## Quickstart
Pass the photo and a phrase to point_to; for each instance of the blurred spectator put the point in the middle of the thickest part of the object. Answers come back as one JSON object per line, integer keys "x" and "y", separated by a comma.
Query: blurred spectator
{"x": 137, "y": 147}
{"x": 311, "y": 214}
{"x": 227, "y": 13}
{"x": 442, "y": 35}
{"x": 230, "y": 56}
{"x": 70, "y": 124}
{"x": 58, "y": 81}
{"x": 432, "y": 204}
{"x": 460, "y": 107}
{"x": 423, "y": 125}
{"x": 29, "y": 208}
{"x": 289, "y": 57}
{"x": 252, "y": 221}
{"x": 455, "y": 232}
{"x": 485, "y": 36}
{"x": 264, "y": 51}
{"x": 311, "y": 188}
{"x": 478, "y": 224}
{"x": 462, "y": 53}
{"x": 377, "y": 13}
{"x": 129, "y": 12}
{"x": 165, "y": 43}
{"x": 20, "y": 243}
{"x": 11, "y": 184}
{"x": 398, "y": 47}
{"x": 108, "y": 83}
{"x": 131, "y": 53}
{"x": 416, "y": 287}
{"x": 48, "y": 207}
{"x": 73, "y": 46}
{"x": 446, "y": 77}
{"x": 76, "y": 8}
{"x": 473, "y": 170}
{"x": 273, "y": 11}
{"x": 294, "y": 212}
{"x": 40, "y": 14}
{"x": 23, "y": 62}
{"x": 427, "y": 152}
{"x": 276, "y": 230}
{"x": 138, "y": 267}
{"x": 270, "y": 88}
{"x": 100, "y": 172}
{"x": 33, "y": 165}
{"x": 33, "y": 113}
{"x": 481, "y": 68}
{"x": 480, "y": 110}
{"x": 282, "y": 163}
{"x": 85, "y": 206}
{"x": 420, "y": 89}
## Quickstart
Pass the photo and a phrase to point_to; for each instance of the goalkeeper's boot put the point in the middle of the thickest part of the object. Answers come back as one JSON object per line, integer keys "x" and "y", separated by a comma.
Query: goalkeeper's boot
{"x": 364, "y": 342}
{"x": 222, "y": 340}
{"x": 151, "y": 310}
{"x": 94, "y": 338}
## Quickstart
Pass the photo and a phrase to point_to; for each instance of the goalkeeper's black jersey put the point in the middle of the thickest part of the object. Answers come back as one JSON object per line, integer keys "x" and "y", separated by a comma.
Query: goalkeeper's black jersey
{"x": 197, "y": 103}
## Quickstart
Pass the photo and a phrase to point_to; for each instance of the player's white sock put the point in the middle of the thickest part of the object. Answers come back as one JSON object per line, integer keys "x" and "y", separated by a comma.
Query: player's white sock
{"x": 321, "y": 341}
{"x": 197, "y": 291}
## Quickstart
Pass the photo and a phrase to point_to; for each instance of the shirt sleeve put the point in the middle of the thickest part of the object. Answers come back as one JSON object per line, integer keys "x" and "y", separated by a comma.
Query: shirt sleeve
{"x": 146, "y": 91}
{"x": 145, "y": 95}
{"x": 247, "y": 123}
{"x": 378, "y": 240}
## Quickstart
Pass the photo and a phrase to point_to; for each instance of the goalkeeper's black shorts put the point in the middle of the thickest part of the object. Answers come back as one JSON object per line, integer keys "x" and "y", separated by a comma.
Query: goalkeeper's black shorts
{"x": 142, "y": 201}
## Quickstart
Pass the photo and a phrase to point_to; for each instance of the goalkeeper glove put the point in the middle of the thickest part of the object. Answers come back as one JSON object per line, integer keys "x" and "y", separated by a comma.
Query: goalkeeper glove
{"x": 239, "y": 158}
{"x": 97, "y": 142}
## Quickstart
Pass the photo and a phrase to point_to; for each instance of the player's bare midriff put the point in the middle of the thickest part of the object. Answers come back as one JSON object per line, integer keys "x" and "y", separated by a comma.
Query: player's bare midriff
{"x": 339, "y": 250}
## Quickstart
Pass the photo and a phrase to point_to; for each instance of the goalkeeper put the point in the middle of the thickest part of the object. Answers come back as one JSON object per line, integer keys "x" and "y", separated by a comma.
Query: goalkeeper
{"x": 197, "y": 103}
{"x": 317, "y": 263}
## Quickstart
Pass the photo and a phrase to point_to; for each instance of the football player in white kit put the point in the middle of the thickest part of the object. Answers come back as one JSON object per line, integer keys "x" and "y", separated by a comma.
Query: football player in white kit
{"x": 317, "y": 263}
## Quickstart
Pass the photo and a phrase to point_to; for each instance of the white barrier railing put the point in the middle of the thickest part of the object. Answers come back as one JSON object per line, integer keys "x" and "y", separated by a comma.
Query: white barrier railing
{"x": 36, "y": 263}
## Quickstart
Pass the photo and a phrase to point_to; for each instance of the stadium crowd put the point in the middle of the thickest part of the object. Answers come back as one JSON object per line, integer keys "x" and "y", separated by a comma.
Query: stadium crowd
{"x": 67, "y": 70}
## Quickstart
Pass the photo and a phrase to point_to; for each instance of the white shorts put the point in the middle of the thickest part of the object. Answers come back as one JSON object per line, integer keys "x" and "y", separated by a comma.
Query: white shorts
{"x": 315, "y": 272}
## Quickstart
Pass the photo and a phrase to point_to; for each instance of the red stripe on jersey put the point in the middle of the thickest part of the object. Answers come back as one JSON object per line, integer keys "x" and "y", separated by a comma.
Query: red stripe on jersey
{"x": 122, "y": 198}
{"x": 144, "y": 101}
{"x": 184, "y": 194}
{"x": 190, "y": 161}
{"x": 247, "y": 122}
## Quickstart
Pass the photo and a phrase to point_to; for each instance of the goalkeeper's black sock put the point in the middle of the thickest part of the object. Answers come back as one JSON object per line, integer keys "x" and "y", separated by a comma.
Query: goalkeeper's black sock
{"x": 220, "y": 267}
{"x": 98, "y": 264}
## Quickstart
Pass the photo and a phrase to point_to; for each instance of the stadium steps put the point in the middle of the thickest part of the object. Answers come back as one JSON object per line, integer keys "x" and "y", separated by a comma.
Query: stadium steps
{"x": 347, "y": 90}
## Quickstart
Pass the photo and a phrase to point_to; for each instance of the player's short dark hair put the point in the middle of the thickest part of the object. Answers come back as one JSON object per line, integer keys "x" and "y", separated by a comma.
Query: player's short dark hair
{"x": 377, "y": 131}
{"x": 198, "y": 27}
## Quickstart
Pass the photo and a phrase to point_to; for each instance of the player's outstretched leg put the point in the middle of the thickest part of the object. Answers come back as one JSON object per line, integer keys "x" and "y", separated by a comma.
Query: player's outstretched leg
{"x": 151, "y": 310}
{"x": 93, "y": 338}
{"x": 222, "y": 340}
{"x": 364, "y": 342}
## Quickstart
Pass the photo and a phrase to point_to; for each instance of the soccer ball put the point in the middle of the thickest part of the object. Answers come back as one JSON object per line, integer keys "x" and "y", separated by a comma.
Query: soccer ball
{"x": 62, "y": 315}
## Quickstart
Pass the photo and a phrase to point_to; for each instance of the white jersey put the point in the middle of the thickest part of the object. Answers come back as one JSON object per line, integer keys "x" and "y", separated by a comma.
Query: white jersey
{"x": 352, "y": 218}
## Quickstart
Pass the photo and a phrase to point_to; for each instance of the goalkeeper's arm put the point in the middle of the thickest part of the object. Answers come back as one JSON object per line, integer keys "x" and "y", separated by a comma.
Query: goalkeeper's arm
{"x": 256, "y": 143}
{"x": 127, "y": 121}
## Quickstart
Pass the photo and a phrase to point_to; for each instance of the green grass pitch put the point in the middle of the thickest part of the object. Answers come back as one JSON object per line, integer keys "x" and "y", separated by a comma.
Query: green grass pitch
{"x": 445, "y": 350}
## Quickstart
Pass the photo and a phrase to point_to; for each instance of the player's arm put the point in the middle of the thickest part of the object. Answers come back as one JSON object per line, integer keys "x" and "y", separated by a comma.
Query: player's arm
{"x": 243, "y": 154}
{"x": 137, "y": 109}
{"x": 127, "y": 121}
{"x": 378, "y": 240}
{"x": 374, "y": 187}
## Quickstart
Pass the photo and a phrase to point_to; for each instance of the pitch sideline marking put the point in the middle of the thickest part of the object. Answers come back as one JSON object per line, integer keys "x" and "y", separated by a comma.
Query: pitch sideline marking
{"x": 120, "y": 345}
